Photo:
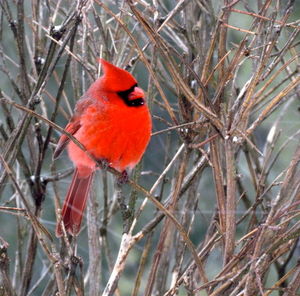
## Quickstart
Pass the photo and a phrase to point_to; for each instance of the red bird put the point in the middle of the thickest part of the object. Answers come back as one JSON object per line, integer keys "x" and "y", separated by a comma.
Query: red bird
{"x": 113, "y": 123}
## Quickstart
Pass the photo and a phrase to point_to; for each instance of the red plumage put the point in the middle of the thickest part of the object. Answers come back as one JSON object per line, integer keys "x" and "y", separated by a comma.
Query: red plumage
{"x": 113, "y": 122}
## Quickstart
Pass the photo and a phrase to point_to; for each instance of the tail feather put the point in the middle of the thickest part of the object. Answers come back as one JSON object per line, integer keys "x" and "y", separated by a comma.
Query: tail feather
{"x": 74, "y": 204}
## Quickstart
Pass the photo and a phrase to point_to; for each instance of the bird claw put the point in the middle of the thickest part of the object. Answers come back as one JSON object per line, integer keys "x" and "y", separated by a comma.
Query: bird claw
{"x": 103, "y": 163}
{"x": 123, "y": 178}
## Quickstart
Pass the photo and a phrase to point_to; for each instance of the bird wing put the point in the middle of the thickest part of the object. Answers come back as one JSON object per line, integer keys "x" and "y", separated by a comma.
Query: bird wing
{"x": 72, "y": 127}
{"x": 74, "y": 124}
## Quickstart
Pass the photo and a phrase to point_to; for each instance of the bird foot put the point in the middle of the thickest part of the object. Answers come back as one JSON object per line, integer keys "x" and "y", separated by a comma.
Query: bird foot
{"x": 103, "y": 163}
{"x": 123, "y": 178}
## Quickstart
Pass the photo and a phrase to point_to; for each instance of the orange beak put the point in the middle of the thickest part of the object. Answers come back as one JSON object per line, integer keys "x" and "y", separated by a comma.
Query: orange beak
{"x": 137, "y": 93}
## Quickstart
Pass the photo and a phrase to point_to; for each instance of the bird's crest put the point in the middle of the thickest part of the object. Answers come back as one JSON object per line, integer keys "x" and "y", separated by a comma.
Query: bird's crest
{"x": 115, "y": 79}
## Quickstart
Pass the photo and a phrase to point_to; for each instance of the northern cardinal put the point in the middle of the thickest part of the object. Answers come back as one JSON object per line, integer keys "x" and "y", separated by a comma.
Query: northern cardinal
{"x": 113, "y": 123}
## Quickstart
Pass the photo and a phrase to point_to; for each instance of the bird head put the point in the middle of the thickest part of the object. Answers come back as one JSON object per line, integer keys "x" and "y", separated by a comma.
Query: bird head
{"x": 121, "y": 82}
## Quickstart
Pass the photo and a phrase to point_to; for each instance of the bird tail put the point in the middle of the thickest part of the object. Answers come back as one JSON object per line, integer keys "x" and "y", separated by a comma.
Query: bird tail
{"x": 74, "y": 204}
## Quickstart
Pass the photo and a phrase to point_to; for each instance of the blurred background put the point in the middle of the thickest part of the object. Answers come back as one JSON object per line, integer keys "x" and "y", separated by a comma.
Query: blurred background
{"x": 222, "y": 85}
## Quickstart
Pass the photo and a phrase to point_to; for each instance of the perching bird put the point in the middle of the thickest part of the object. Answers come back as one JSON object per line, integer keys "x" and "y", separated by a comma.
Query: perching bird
{"x": 113, "y": 123}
